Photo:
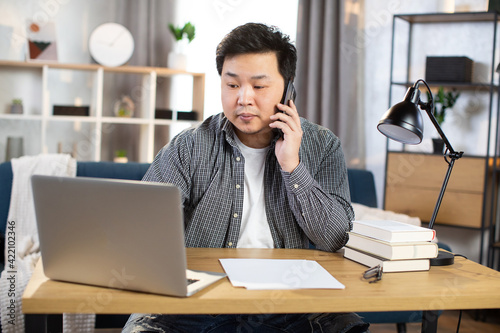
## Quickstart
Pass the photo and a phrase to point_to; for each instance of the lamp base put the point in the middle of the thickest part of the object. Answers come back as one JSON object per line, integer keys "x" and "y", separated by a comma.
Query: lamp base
{"x": 444, "y": 258}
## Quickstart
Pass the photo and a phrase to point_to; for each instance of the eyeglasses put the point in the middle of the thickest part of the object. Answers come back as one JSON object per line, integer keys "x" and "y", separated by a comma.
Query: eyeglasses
{"x": 373, "y": 274}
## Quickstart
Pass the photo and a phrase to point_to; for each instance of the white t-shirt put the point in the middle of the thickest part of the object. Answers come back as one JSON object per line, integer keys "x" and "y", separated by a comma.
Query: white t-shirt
{"x": 254, "y": 229}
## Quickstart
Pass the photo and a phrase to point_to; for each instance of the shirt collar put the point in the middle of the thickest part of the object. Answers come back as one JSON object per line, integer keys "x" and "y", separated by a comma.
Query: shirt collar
{"x": 227, "y": 128}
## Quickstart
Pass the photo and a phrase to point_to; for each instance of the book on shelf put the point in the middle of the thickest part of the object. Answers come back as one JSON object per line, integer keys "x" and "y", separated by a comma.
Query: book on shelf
{"x": 393, "y": 231}
{"x": 392, "y": 250}
{"x": 388, "y": 266}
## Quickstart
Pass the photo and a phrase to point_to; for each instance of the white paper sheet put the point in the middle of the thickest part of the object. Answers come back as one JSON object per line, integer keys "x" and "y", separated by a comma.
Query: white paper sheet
{"x": 260, "y": 274}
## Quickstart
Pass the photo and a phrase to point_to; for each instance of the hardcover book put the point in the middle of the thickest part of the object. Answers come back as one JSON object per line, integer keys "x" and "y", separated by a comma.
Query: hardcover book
{"x": 393, "y": 231}
{"x": 388, "y": 266}
{"x": 393, "y": 250}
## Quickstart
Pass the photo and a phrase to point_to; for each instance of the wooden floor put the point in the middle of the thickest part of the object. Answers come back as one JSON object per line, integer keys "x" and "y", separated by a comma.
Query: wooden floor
{"x": 488, "y": 322}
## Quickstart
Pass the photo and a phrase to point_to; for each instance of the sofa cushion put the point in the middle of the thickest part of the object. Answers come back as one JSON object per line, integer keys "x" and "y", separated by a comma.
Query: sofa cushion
{"x": 361, "y": 182}
{"x": 131, "y": 170}
{"x": 5, "y": 189}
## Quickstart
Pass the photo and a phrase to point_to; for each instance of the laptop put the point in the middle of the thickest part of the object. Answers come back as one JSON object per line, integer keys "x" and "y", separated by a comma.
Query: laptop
{"x": 115, "y": 233}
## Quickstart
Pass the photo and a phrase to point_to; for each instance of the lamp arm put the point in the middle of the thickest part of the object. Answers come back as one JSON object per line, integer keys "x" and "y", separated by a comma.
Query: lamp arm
{"x": 434, "y": 121}
{"x": 428, "y": 107}
{"x": 441, "y": 193}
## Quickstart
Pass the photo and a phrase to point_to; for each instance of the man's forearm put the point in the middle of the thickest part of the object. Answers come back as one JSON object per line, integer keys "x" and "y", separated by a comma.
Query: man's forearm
{"x": 325, "y": 218}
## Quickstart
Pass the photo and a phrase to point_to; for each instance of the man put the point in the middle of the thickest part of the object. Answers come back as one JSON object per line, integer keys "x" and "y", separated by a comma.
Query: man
{"x": 245, "y": 184}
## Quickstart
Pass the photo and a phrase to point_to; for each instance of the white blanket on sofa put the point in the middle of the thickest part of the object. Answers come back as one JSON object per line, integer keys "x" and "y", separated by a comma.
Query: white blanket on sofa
{"x": 21, "y": 242}
{"x": 365, "y": 213}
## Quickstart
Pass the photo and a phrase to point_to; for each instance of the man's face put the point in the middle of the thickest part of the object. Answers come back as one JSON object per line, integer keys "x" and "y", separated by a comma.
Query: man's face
{"x": 251, "y": 87}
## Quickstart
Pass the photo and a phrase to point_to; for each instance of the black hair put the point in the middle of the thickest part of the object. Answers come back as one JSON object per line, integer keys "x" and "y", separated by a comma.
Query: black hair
{"x": 259, "y": 38}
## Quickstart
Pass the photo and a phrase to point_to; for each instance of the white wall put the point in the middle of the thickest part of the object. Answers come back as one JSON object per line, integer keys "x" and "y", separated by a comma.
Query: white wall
{"x": 214, "y": 19}
{"x": 466, "y": 126}
{"x": 73, "y": 21}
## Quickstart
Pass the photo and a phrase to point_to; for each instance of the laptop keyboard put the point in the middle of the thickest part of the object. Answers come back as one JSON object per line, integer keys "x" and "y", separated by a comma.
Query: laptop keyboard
{"x": 190, "y": 281}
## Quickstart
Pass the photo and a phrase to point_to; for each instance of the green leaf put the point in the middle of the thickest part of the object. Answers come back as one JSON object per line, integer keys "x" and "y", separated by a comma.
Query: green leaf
{"x": 187, "y": 31}
{"x": 190, "y": 31}
{"x": 177, "y": 32}
{"x": 444, "y": 101}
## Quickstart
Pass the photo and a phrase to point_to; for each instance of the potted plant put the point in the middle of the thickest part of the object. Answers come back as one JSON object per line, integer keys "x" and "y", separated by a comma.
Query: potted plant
{"x": 124, "y": 107}
{"x": 188, "y": 31}
{"x": 17, "y": 106}
{"x": 183, "y": 35}
{"x": 442, "y": 101}
{"x": 121, "y": 156}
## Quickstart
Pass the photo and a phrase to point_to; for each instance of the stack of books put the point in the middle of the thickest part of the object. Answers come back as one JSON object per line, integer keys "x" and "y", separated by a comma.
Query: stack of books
{"x": 395, "y": 246}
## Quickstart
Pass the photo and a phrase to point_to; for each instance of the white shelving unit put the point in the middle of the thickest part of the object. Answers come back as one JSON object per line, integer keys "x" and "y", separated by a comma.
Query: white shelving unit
{"x": 42, "y": 96}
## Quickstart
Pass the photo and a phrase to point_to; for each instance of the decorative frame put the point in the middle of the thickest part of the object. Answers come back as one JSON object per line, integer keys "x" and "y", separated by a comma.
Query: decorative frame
{"x": 42, "y": 41}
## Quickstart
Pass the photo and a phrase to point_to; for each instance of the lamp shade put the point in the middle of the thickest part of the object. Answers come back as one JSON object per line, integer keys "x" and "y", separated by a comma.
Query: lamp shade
{"x": 403, "y": 123}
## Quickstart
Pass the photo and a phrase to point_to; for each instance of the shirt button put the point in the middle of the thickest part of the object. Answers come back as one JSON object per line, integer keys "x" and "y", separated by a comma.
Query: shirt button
{"x": 238, "y": 186}
{"x": 238, "y": 159}
{"x": 296, "y": 185}
{"x": 230, "y": 244}
{"x": 235, "y": 215}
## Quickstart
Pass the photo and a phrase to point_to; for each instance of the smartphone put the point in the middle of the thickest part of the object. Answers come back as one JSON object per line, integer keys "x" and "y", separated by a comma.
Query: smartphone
{"x": 288, "y": 94}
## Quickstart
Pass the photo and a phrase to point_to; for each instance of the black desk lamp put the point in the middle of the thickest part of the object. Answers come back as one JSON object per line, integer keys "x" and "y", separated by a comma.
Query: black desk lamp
{"x": 403, "y": 123}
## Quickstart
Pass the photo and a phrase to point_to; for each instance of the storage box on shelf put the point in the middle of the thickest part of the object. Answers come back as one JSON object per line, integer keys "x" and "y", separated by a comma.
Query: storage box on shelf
{"x": 93, "y": 91}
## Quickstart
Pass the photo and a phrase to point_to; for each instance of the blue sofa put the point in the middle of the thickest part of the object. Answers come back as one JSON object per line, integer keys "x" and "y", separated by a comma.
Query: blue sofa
{"x": 361, "y": 184}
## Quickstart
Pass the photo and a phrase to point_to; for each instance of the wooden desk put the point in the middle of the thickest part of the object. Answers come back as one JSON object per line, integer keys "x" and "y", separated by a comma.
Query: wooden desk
{"x": 464, "y": 285}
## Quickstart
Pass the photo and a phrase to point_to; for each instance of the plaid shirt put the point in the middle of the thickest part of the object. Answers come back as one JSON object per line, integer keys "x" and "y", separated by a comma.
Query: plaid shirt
{"x": 310, "y": 204}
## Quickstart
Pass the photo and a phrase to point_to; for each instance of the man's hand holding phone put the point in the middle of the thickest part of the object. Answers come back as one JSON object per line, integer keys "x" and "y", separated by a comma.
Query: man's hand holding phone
{"x": 287, "y": 147}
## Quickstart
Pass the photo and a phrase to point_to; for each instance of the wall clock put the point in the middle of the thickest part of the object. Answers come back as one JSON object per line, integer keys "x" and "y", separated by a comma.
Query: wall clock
{"x": 111, "y": 44}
